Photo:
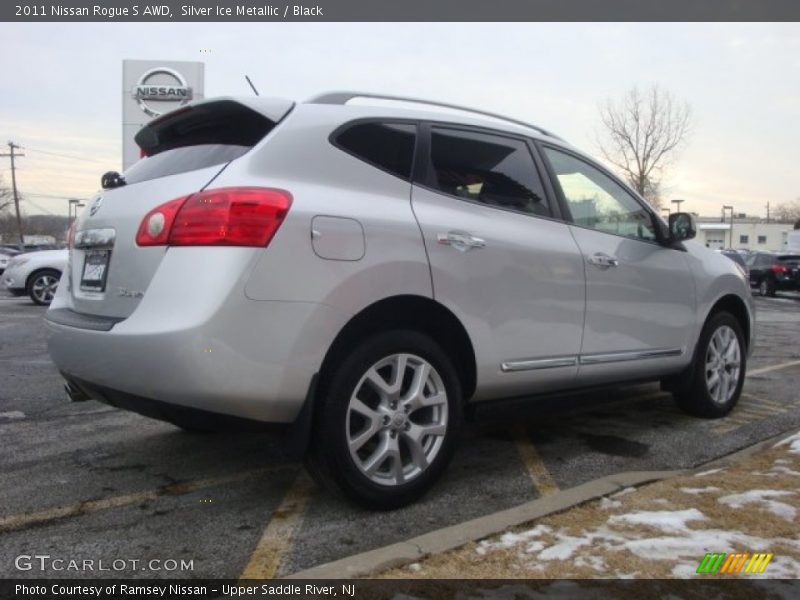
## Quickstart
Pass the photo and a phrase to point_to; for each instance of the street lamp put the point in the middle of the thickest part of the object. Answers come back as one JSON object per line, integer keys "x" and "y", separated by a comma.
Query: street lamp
{"x": 76, "y": 204}
{"x": 730, "y": 208}
{"x": 665, "y": 211}
{"x": 678, "y": 203}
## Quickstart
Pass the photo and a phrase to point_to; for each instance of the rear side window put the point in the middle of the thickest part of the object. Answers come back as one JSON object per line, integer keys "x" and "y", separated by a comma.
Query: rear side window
{"x": 197, "y": 137}
{"x": 388, "y": 146}
{"x": 488, "y": 169}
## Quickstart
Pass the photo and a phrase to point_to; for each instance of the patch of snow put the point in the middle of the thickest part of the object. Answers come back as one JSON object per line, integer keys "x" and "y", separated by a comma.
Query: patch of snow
{"x": 703, "y": 490}
{"x": 793, "y": 441}
{"x": 595, "y": 562}
{"x": 671, "y": 521}
{"x": 564, "y": 549}
{"x": 661, "y": 501}
{"x": 622, "y": 492}
{"x": 781, "y": 509}
{"x": 416, "y": 567}
{"x": 608, "y": 504}
{"x": 709, "y": 472}
{"x": 508, "y": 540}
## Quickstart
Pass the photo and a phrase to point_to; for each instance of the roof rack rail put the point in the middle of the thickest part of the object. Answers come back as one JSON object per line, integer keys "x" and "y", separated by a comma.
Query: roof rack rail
{"x": 345, "y": 97}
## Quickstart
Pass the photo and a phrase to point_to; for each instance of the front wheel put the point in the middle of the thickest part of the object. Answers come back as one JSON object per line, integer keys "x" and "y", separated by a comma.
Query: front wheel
{"x": 719, "y": 369}
{"x": 42, "y": 286}
{"x": 387, "y": 424}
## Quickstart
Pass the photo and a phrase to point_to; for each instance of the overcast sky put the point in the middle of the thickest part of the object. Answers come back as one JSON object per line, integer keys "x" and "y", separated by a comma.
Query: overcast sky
{"x": 61, "y": 88}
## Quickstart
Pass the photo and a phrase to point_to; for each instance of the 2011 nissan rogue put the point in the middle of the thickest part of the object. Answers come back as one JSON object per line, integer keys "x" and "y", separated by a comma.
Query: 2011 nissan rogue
{"x": 371, "y": 270}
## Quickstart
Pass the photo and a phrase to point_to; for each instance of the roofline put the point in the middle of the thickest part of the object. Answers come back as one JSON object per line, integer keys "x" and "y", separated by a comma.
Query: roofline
{"x": 342, "y": 98}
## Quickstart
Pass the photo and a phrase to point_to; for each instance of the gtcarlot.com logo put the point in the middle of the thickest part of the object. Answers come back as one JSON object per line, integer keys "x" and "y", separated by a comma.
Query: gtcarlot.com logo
{"x": 737, "y": 562}
{"x": 45, "y": 562}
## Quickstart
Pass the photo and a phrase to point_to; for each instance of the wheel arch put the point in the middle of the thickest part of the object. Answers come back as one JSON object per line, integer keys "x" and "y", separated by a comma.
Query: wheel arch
{"x": 736, "y": 306}
{"x": 407, "y": 312}
{"x": 38, "y": 270}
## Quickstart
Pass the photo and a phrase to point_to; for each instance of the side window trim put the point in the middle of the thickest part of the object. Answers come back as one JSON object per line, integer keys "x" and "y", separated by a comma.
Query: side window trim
{"x": 423, "y": 171}
{"x": 385, "y": 121}
{"x": 564, "y": 204}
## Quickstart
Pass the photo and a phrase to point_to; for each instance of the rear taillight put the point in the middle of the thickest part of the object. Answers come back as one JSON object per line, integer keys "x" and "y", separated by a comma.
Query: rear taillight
{"x": 221, "y": 217}
{"x": 778, "y": 269}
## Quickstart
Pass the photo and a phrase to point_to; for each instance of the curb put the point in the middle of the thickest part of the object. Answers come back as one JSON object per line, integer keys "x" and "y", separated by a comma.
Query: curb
{"x": 449, "y": 538}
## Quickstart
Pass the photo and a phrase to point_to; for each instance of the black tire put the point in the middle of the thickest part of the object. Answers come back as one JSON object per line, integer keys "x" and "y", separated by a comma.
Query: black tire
{"x": 329, "y": 459}
{"x": 766, "y": 287}
{"x": 692, "y": 392}
{"x": 40, "y": 288}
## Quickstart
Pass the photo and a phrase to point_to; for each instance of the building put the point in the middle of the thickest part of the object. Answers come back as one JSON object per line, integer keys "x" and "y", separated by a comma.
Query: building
{"x": 749, "y": 233}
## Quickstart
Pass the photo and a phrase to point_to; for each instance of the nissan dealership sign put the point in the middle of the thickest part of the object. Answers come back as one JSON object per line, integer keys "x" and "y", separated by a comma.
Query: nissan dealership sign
{"x": 150, "y": 89}
{"x": 160, "y": 90}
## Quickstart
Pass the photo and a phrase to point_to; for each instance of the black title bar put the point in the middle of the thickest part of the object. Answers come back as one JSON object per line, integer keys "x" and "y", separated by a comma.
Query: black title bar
{"x": 398, "y": 10}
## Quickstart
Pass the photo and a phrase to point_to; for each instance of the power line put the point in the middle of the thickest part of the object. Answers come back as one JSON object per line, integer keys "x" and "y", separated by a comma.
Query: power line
{"x": 70, "y": 156}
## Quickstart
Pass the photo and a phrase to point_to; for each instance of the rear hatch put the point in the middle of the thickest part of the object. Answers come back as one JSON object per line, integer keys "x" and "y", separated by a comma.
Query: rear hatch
{"x": 789, "y": 268}
{"x": 185, "y": 151}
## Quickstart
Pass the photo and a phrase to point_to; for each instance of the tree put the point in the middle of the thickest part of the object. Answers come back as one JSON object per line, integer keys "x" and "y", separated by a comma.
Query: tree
{"x": 6, "y": 197}
{"x": 643, "y": 132}
{"x": 787, "y": 211}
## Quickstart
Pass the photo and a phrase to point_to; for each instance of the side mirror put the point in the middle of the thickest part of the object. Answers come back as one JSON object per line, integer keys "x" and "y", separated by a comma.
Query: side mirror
{"x": 682, "y": 226}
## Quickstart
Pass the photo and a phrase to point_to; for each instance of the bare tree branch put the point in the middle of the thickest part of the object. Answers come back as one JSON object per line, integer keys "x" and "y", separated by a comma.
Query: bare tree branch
{"x": 642, "y": 135}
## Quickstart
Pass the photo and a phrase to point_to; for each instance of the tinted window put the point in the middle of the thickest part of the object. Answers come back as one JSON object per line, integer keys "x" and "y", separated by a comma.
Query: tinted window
{"x": 197, "y": 137}
{"x": 488, "y": 169}
{"x": 597, "y": 201}
{"x": 389, "y": 146}
{"x": 182, "y": 160}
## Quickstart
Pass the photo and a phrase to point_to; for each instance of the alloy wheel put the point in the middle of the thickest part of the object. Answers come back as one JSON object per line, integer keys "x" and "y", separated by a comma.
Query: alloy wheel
{"x": 723, "y": 365}
{"x": 397, "y": 419}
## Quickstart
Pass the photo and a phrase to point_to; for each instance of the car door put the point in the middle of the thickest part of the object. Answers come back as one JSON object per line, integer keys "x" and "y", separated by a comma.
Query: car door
{"x": 757, "y": 265}
{"x": 499, "y": 261}
{"x": 640, "y": 296}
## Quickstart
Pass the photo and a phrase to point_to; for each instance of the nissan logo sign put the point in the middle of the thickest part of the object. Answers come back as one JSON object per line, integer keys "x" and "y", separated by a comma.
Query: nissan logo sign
{"x": 161, "y": 86}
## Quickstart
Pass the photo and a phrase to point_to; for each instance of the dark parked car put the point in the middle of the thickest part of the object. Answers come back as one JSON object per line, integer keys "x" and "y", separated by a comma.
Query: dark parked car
{"x": 774, "y": 272}
{"x": 736, "y": 257}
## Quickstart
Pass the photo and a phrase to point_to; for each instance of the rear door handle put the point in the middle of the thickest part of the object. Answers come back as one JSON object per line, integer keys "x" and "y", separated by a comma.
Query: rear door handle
{"x": 603, "y": 260}
{"x": 460, "y": 240}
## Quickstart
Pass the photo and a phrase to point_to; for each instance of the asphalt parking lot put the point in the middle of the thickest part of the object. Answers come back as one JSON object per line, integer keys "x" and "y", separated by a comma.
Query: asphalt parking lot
{"x": 88, "y": 482}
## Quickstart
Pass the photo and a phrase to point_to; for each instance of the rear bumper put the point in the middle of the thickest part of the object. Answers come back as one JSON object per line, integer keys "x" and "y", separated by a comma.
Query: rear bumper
{"x": 248, "y": 359}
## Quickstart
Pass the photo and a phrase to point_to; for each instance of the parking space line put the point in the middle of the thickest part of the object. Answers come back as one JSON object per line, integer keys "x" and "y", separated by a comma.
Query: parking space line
{"x": 266, "y": 558}
{"x": 785, "y": 365}
{"x": 537, "y": 471}
{"x": 21, "y": 521}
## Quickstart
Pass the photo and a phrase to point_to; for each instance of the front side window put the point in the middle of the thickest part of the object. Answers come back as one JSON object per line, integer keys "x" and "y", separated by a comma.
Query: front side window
{"x": 389, "y": 146}
{"x": 487, "y": 169}
{"x": 597, "y": 201}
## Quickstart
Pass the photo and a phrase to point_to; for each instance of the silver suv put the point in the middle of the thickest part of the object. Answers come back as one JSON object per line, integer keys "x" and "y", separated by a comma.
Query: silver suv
{"x": 366, "y": 272}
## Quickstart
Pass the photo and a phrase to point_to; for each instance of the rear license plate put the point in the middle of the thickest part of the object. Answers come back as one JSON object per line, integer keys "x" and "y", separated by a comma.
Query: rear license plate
{"x": 95, "y": 269}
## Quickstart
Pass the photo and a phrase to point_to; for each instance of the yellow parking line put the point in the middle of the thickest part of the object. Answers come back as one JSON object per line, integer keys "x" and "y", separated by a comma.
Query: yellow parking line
{"x": 785, "y": 365}
{"x": 537, "y": 470}
{"x": 22, "y": 521}
{"x": 276, "y": 540}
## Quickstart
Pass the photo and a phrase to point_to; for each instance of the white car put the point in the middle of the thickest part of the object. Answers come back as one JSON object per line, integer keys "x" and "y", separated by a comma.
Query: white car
{"x": 36, "y": 274}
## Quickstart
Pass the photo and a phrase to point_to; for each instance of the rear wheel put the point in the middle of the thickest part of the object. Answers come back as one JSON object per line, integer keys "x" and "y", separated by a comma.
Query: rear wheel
{"x": 387, "y": 425}
{"x": 719, "y": 370}
{"x": 42, "y": 286}
{"x": 766, "y": 288}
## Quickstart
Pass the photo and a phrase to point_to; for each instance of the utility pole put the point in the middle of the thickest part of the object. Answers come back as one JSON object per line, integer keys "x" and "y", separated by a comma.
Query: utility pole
{"x": 767, "y": 211}
{"x": 12, "y": 146}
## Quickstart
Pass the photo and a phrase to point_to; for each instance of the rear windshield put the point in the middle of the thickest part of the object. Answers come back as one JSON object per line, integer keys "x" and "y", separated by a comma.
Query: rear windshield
{"x": 789, "y": 258}
{"x": 181, "y": 160}
{"x": 197, "y": 137}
